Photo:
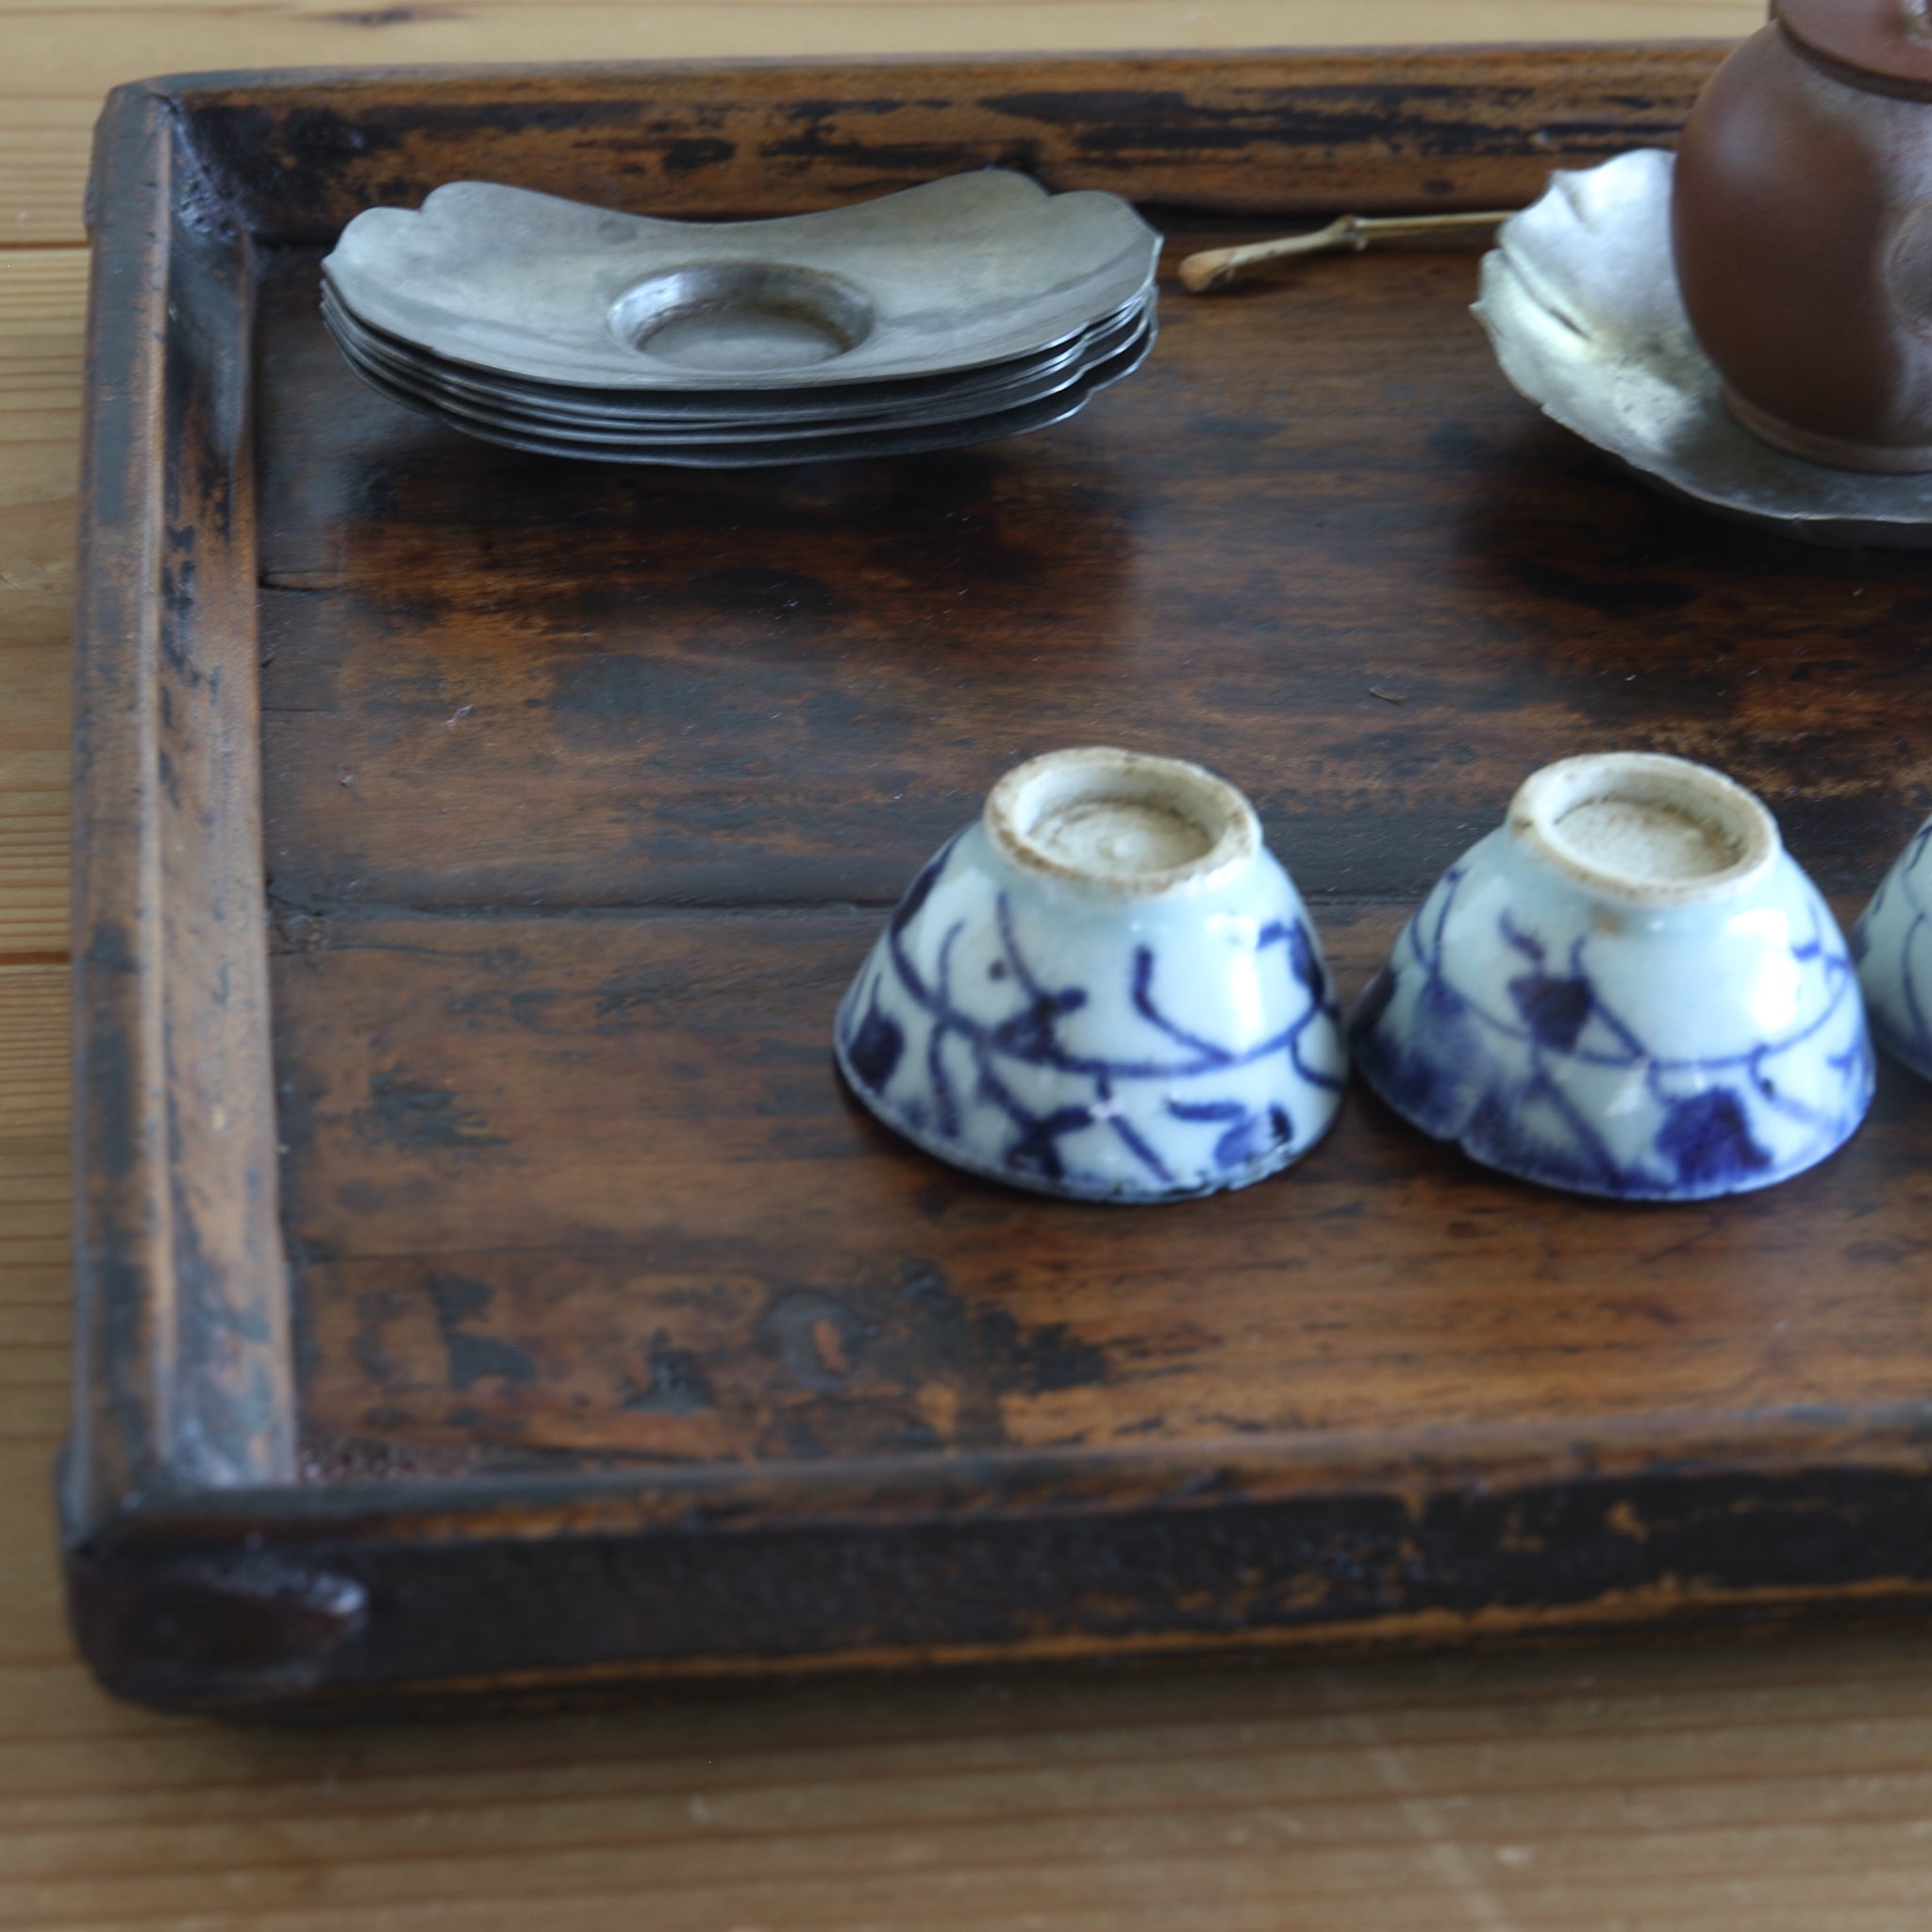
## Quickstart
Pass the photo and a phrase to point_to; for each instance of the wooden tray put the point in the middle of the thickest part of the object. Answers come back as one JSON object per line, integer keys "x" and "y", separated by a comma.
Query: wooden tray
{"x": 485, "y": 1284}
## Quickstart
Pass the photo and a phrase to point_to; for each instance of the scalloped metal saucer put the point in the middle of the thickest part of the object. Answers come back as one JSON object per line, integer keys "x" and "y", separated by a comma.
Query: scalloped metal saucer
{"x": 826, "y": 447}
{"x": 1580, "y": 302}
{"x": 954, "y": 275}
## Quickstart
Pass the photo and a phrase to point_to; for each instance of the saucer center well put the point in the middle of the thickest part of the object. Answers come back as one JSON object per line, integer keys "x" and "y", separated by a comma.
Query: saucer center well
{"x": 738, "y": 318}
{"x": 1120, "y": 821}
{"x": 1643, "y": 826}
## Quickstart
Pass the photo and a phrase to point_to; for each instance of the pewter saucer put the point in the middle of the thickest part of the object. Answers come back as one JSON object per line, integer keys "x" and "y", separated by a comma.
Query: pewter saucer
{"x": 957, "y": 274}
{"x": 1580, "y": 301}
{"x": 828, "y": 445}
{"x": 449, "y": 392}
{"x": 700, "y": 410}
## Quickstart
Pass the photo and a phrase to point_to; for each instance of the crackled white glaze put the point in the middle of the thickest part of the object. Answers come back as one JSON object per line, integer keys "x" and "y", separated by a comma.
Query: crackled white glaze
{"x": 1107, "y": 988}
{"x": 1627, "y": 989}
{"x": 1894, "y": 944}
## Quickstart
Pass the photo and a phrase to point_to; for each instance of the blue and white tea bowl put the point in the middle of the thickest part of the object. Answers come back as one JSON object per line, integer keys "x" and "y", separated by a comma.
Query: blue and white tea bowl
{"x": 1107, "y": 988}
{"x": 1893, "y": 940}
{"x": 1628, "y": 990}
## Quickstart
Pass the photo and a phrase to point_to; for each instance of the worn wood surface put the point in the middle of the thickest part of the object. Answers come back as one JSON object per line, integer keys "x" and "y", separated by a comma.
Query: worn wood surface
{"x": 792, "y": 693}
{"x": 1272, "y": 133}
{"x": 1778, "y": 1786}
{"x": 1760, "y": 1791}
{"x": 43, "y": 296}
{"x": 890, "y": 1322}
{"x": 61, "y": 56}
{"x": 570, "y": 839}
{"x": 782, "y": 1286}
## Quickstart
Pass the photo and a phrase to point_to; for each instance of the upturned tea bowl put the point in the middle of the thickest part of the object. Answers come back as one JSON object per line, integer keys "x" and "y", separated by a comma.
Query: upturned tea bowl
{"x": 1107, "y": 988}
{"x": 1627, "y": 989}
{"x": 1893, "y": 940}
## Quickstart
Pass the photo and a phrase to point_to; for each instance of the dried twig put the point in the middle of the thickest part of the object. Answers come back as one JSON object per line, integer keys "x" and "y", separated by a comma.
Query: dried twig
{"x": 1214, "y": 268}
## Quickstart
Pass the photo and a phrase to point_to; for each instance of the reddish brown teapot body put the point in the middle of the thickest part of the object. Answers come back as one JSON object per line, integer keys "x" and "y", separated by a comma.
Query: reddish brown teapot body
{"x": 1802, "y": 222}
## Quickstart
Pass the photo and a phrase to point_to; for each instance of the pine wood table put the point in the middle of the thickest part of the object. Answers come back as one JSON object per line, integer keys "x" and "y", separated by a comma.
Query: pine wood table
{"x": 1782, "y": 1786}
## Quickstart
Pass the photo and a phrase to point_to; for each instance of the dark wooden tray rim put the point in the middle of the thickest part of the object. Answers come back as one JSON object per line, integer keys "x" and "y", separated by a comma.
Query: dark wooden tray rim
{"x": 204, "y": 1569}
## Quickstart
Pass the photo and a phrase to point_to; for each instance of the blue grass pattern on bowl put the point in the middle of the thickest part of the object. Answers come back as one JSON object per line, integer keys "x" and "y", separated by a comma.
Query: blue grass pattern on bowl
{"x": 1892, "y": 942}
{"x": 1112, "y": 1076}
{"x": 1529, "y": 1056}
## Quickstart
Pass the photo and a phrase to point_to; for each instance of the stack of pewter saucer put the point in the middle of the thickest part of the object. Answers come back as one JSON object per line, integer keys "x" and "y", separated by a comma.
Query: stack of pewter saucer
{"x": 969, "y": 309}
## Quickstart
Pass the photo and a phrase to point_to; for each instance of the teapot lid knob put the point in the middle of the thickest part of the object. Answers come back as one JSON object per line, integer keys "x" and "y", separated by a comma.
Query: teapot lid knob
{"x": 1887, "y": 41}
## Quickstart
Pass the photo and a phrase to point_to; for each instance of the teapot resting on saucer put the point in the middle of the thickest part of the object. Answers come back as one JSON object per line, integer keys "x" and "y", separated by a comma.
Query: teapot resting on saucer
{"x": 1802, "y": 227}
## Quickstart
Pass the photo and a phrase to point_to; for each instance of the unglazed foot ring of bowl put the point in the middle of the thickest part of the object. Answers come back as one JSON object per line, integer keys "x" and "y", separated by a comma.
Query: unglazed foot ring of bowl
{"x": 1653, "y": 831}
{"x": 1116, "y": 822}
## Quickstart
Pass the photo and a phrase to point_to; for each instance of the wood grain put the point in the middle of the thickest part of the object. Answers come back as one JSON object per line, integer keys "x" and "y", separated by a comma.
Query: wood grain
{"x": 1769, "y": 1785}
{"x": 1695, "y": 1793}
{"x": 553, "y": 1106}
{"x": 730, "y": 719}
{"x": 726, "y": 720}
{"x": 57, "y": 60}
{"x": 453, "y": 1297}
{"x": 33, "y": 1051}
{"x": 33, "y": 856}
{"x": 1260, "y": 134}
{"x": 1776, "y": 1788}
{"x": 42, "y": 297}
{"x": 182, "y": 1321}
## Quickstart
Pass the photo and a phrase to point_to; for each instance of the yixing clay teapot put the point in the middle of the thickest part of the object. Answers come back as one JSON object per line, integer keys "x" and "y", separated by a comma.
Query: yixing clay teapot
{"x": 1802, "y": 222}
